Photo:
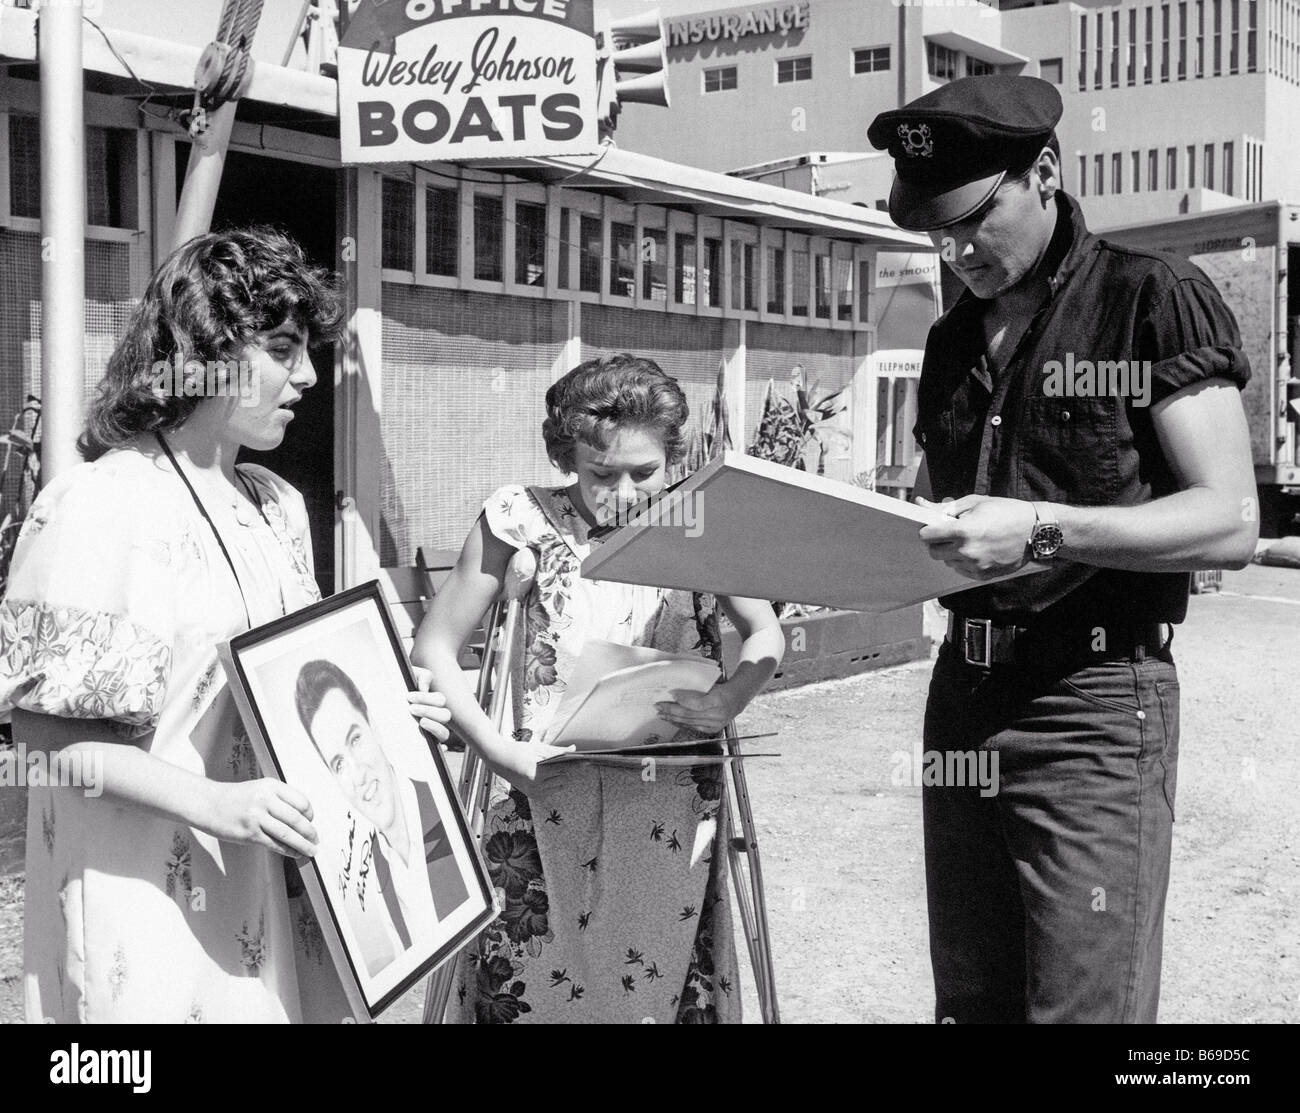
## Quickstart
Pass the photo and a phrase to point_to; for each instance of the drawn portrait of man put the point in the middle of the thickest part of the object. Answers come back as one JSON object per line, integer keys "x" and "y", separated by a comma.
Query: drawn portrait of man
{"x": 398, "y": 876}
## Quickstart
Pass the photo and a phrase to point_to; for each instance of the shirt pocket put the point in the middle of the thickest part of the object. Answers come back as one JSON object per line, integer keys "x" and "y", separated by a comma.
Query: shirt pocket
{"x": 1069, "y": 450}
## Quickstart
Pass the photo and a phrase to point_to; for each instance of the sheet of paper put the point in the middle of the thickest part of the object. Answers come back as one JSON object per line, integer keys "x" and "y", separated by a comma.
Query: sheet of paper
{"x": 619, "y": 710}
{"x": 742, "y": 526}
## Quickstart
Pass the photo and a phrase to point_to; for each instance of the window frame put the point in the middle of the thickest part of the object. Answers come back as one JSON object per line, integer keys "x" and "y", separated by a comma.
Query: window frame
{"x": 793, "y": 61}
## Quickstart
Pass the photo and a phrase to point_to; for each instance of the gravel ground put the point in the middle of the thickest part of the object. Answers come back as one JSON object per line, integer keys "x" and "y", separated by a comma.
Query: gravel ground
{"x": 841, "y": 845}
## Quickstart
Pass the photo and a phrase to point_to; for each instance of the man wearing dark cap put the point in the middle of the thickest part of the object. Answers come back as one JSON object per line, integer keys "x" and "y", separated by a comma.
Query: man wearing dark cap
{"x": 1079, "y": 407}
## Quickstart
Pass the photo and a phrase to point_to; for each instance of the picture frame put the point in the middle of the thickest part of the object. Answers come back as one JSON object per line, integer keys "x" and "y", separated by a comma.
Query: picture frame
{"x": 398, "y": 883}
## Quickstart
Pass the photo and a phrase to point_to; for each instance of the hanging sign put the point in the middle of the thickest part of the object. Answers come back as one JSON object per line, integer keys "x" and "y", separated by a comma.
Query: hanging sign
{"x": 423, "y": 80}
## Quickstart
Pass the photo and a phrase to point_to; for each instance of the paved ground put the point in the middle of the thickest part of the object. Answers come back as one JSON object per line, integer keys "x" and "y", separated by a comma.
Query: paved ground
{"x": 842, "y": 845}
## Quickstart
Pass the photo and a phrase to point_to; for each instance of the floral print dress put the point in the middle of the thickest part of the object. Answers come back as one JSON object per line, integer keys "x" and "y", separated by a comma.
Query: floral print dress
{"x": 614, "y": 888}
{"x": 118, "y": 598}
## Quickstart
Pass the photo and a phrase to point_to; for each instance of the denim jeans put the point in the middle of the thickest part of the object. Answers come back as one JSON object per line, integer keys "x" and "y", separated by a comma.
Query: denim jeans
{"x": 1046, "y": 898}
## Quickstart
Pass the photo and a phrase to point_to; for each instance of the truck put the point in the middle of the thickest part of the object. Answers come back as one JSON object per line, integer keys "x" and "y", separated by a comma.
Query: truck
{"x": 1252, "y": 254}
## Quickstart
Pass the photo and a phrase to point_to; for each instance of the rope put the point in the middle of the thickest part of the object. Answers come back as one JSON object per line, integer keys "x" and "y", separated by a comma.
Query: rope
{"x": 229, "y": 50}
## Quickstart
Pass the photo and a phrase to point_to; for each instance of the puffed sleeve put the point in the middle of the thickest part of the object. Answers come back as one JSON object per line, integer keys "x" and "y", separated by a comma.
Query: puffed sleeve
{"x": 88, "y": 623}
{"x": 1190, "y": 334}
{"x": 514, "y": 516}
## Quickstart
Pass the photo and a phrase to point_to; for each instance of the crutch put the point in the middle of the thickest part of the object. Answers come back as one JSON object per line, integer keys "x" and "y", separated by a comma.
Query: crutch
{"x": 752, "y": 903}
{"x": 500, "y": 628}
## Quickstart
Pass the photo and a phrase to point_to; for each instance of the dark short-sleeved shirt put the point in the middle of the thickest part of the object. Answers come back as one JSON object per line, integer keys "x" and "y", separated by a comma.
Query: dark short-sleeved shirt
{"x": 1135, "y": 317}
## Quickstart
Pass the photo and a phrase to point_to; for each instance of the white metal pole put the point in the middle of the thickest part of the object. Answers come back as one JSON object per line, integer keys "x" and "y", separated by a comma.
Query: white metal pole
{"x": 203, "y": 174}
{"x": 63, "y": 231}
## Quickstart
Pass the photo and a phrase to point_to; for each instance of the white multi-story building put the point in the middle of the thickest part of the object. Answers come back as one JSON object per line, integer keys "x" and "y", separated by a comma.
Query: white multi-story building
{"x": 1171, "y": 106}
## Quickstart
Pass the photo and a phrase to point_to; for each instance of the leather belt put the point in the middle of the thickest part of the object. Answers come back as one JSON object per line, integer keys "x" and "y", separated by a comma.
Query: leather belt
{"x": 983, "y": 643}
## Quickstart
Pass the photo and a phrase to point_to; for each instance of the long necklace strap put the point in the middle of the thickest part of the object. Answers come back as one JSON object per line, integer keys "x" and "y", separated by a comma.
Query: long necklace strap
{"x": 211, "y": 524}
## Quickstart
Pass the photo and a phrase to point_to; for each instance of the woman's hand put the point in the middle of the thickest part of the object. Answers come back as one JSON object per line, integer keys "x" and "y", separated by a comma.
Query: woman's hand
{"x": 708, "y": 712}
{"x": 265, "y": 813}
{"x": 429, "y": 707}
{"x": 523, "y": 764}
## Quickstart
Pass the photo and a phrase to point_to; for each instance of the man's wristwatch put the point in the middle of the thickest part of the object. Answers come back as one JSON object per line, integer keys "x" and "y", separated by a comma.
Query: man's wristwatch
{"x": 1046, "y": 537}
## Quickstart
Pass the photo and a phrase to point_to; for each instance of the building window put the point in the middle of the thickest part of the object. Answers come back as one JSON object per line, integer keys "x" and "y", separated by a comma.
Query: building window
{"x": 1182, "y": 40}
{"x": 941, "y": 61}
{"x": 566, "y": 242}
{"x": 591, "y": 247}
{"x": 1191, "y": 167}
{"x": 776, "y": 280}
{"x": 793, "y": 69}
{"x": 1164, "y": 42}
{"x": 1148, "y": 74}
{"x": 1099, "y": 175}
{"x": 530, "y": 244}
{"x": 712, "y": 276}
{"x": 1117, "y": 173}
{"x": 1218, "y": 37}
{"x": 1251, "y": 29}
{"x": 654, "y": 264}
{"x": 1083, "y": 53}
{"x": 1132, "y": 46}
{"x": 872, "y": 59}
{"x": 720, "y": 79}
{"x": 1171, "y": 168}
{"x": 1228, "y": 174}
{"x": 1233, "y": 55}
{"x": 977, "y": 67}
{"x": 822, "y": 285}
{"x": 622, "y": 259}
{"x": 397, "y": 240}
{"x": 1049, "y": 69}
{"x": 488, "y": 241}
{"x": 1136, "y": 159}
{"x": 799, "y": 280}
{"x": 111, "y": 189}
{"x": 441, "y": 231}
{"x": 1114, "y": 49}
{"x": 1100, "y": 51}
{"x": 1200, "y": 38}
{"x": 684, "y": 278}
{"x": 844, "y": 289}
{"x": 1153, "y": 170}
{"x": 1208, "y": 176}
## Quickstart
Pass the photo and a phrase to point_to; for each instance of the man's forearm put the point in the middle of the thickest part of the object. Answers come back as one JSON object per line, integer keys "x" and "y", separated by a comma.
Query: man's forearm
{"x": 1183, "y": 532}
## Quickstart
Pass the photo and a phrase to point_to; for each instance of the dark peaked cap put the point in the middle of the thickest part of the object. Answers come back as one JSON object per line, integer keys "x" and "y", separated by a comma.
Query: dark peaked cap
{"x": 952, "y": 147}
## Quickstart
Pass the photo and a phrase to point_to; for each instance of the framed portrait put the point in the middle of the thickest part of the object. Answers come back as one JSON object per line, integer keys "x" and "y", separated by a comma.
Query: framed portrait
{"x": 397, "y": 883}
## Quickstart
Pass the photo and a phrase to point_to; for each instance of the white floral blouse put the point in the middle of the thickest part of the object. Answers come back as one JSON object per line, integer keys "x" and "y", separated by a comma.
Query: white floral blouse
{"x": 118, "y": 598}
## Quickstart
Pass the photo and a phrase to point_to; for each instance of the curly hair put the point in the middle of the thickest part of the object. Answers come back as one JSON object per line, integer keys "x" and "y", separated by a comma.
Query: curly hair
{"x": 598, "y": 398}
{"x": 205, "y": 302}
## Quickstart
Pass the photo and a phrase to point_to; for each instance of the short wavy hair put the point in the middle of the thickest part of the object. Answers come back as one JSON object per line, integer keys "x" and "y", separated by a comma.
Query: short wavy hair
{"x": 598, "y": 398}
{"x": 205, "y": 302}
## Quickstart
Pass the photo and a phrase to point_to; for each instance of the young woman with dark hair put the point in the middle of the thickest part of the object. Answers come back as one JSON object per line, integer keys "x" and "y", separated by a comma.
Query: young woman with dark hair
{"x": 160, "y": 894}
{"x": 614, "y": 884}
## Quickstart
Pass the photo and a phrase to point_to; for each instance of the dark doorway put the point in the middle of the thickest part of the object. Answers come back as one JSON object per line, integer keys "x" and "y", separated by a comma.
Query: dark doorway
{"x": 299, "y": 199}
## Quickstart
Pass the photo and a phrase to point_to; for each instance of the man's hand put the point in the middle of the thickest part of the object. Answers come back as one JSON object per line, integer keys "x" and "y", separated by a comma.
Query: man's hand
{"x": 985, "y": 537}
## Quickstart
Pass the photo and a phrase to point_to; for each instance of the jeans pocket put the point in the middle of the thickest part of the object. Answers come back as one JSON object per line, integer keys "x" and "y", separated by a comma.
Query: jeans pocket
{"x": 1111, "y": 686}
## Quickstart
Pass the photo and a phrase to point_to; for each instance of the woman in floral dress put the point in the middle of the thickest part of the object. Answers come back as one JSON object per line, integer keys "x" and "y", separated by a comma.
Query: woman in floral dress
{"x": 160, "y": 895}
{"x": 613, "y": 879}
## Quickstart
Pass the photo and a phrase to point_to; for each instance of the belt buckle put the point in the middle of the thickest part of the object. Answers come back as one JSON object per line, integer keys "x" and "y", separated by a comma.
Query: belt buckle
{"x": 978, "y": 632}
